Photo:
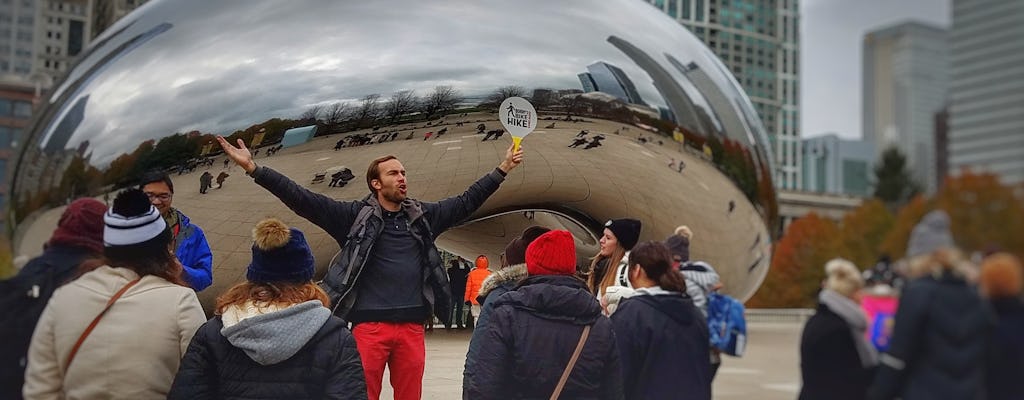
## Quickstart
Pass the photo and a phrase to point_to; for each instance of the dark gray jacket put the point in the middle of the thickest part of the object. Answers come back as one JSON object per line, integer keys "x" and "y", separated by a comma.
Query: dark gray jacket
{"x": 940, "y": 343}
{"x": 356, "y": 236}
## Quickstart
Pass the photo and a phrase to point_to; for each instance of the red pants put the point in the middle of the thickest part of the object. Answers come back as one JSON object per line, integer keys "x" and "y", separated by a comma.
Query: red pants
{"x": 400, "y": 347}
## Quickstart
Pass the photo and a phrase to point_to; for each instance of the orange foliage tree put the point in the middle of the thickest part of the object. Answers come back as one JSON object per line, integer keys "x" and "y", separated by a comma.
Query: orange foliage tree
{"x": 863, "y": 230}
{"x": 895, "y": 242}
{"x": 798, "y": 264}
{"x": 984, "y": 213}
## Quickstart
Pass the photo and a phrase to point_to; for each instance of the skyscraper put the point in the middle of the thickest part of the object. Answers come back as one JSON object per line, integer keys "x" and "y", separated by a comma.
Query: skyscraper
{"x": 838, "y": 166}
{"x": 17, "y": 25}
{"x": 759, "y": 40}
{"x": 905, "y": 78}
{"x": 40, "y": 39}
{"x": 986, "y": 112}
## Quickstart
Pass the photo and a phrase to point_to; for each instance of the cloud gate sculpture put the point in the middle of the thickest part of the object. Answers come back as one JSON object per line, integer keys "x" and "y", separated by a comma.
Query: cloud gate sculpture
{"x": 665, "y": 134}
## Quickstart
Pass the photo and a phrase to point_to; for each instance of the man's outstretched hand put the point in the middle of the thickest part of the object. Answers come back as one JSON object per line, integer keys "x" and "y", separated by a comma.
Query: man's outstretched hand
{"x": 512, "y": 159}
{"x": 240, "y": 155}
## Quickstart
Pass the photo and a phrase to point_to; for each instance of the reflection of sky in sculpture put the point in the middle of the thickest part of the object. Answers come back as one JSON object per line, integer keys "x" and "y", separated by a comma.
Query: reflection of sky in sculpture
{"x": 275, "y": 59}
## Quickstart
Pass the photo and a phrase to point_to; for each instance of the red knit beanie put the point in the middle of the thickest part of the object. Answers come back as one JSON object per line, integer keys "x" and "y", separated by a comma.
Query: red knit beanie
{"x": 553, "y": 253}
{"x": 81, "y": 225}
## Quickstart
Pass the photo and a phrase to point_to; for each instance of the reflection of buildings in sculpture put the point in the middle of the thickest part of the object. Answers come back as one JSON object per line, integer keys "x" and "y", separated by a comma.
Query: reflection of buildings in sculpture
{"x": 722, "y": 106}
{"x": 61, "y": 135}
{"x": 604, "y": 77}
{"x": 675, "y": 96}
{"x": 836, "y": 166}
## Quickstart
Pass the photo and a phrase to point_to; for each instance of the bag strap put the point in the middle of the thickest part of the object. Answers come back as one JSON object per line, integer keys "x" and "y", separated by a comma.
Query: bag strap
{"x": 572, "y": 363}
{"x": 88, "y": 330}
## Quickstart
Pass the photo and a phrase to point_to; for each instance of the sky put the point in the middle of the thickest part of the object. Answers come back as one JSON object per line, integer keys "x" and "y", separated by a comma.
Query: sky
{"x": 832, "y": 32}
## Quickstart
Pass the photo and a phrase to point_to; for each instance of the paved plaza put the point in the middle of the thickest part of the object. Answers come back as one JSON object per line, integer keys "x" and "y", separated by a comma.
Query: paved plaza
{"x": 769, "y": 371}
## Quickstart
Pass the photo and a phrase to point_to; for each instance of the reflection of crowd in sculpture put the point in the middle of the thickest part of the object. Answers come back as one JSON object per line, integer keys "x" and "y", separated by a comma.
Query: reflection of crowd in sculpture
{"x": 633, "y": 324}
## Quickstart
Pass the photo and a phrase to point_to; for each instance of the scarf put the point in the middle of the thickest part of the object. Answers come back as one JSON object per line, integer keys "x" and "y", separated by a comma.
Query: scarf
{"x": 854, "y": 317}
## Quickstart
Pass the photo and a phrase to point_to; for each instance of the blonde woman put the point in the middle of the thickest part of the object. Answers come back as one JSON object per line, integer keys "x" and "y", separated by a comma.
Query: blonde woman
{"x": 619, "y": 236}
{"x": 836, "y": 359}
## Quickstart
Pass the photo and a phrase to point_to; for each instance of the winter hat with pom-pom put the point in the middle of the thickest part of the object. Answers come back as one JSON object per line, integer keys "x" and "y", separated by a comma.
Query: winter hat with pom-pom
{"x": 279, "y": 254}
{"x": 132, "y": 221}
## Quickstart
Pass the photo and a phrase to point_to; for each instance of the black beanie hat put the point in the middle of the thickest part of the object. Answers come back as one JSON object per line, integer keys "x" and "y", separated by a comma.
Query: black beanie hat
{"x": 626, "y": 230}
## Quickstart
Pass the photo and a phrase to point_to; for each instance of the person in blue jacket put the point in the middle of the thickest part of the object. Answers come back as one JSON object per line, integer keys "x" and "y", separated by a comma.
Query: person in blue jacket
{"x": 189, "y": 241}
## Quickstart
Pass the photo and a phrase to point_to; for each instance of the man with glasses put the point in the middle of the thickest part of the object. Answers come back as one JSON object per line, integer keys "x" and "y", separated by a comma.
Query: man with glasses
{"x": 189, "y": 242}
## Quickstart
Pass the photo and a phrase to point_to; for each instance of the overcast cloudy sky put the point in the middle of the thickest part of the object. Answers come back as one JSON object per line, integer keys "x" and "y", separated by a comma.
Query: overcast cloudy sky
{"x": 832, "y": 32}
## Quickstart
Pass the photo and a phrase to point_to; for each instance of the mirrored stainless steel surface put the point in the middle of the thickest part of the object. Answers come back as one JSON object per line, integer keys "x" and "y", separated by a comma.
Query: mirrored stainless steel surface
{"x": 420, "y": 80}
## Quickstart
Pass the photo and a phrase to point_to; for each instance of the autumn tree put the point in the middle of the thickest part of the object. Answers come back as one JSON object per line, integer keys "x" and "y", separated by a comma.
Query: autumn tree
{"x": 797, "y": 267}
{"x": 893, "y": 183}
{"x": 984, "y": 214}
{"x": 862, "y": 231}
{"x": 895, "y": 242}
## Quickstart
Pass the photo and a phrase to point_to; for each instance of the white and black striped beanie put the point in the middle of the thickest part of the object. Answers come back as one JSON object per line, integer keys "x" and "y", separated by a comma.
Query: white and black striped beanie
{"x": 131, "y": 220}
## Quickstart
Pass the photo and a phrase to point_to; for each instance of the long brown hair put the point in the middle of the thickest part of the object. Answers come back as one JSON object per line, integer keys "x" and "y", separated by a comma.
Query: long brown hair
{"x": 271, "y": 294}
{"x": 610, "y": 270}
{"x": 148, "y": 258}
{"x": 656, "y": 261}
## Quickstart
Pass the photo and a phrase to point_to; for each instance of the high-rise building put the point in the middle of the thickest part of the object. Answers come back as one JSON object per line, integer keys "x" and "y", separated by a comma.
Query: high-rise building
{"x": 941, "y": 146}
{"x": 759, "y": 41}
{"x": 905, "y": 79}
{"x": 986, "y": 112}
{"x": 17, "y": 26}
{"x": 40, "y": 39}
{"x": 63, "y": 30}
{"x": 17, "y": 99}
{"x": 837, "y": 166}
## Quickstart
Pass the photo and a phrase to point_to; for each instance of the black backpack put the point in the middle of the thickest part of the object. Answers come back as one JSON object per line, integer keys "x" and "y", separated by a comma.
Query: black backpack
{"x": 22, "y": 299}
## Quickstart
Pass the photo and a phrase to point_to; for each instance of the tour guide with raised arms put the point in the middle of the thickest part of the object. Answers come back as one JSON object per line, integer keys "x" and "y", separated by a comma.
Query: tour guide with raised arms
{"x": 389, "y": 274}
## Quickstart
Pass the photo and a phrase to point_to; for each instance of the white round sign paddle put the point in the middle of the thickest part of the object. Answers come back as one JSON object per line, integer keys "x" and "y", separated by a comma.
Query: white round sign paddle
{"x": 518, "y": 117}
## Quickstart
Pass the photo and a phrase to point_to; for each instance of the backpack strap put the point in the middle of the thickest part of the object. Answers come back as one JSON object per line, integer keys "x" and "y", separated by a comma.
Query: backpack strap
{"x": 88, "y": 330}
{"x": 572, "y": 363}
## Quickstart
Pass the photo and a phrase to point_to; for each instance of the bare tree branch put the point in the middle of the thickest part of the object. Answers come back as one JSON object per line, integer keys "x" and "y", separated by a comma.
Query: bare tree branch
{"x": 400, "y": 103}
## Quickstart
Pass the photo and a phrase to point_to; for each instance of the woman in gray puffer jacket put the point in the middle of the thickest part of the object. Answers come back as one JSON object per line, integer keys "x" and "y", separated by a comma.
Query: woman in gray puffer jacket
{"x": 940, "y": 343}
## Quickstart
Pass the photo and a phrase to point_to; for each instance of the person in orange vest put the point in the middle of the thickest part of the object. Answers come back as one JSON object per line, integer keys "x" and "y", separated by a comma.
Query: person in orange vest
{"x": 473, "y": 283}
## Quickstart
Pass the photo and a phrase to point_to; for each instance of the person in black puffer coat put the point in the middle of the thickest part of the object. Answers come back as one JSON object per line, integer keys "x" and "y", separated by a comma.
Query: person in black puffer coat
{"x": 940, "y": 342}
{"x": 273, "y": 337}
{"x": 534, "y": 330}
{"x": 1002, "y": 282}
{"x": 661, "y": 335}
{"x": 836, "y": 359}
